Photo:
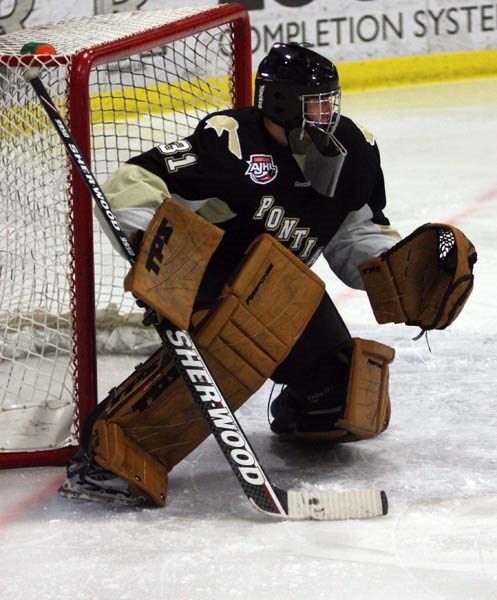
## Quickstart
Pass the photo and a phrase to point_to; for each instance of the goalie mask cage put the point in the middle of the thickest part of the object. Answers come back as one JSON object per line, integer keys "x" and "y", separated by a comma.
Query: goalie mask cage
{"x": 123, "y": 83}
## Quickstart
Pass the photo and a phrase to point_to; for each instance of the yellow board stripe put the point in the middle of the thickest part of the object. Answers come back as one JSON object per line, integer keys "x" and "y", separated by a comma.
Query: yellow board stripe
{"x": 107, "y": 107}
{"x": 360, "y": 75}
{"x": 410, "y": 70}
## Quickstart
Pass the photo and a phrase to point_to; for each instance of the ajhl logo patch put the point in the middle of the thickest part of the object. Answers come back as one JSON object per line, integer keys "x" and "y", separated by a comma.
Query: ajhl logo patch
{"x": 261, "y": 168}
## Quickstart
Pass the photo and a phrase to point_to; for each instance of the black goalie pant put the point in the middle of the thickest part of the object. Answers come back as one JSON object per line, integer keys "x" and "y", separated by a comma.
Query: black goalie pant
{"x": 319, "y": 361}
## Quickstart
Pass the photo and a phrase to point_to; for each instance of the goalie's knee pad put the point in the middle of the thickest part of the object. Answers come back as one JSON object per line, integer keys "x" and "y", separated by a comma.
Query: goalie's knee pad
{"x": 262, "y": 312}
{"x": 356, "y": 407}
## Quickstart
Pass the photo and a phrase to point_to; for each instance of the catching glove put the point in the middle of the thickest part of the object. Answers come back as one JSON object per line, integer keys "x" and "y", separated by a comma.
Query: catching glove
{"x": 424, "y": 280}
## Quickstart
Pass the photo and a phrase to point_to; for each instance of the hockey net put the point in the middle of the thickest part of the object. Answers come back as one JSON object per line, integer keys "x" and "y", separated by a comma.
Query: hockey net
{"x": 123, "y": 82}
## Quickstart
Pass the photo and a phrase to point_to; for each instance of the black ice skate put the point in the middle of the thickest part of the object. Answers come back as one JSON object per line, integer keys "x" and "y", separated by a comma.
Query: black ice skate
{"x": 297, "y": 414}
{"x": 86, "y": 480}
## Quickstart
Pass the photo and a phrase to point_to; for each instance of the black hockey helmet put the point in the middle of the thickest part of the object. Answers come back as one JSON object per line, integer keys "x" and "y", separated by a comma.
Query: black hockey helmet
{"x": 289, "y": 74}
{"x": 299, "y": 90}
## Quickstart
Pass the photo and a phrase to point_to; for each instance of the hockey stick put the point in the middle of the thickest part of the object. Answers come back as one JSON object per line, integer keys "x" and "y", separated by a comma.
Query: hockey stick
{"x": 223, "y": 423}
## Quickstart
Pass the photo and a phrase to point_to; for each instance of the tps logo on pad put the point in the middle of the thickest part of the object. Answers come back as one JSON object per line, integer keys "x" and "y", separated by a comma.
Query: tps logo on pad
{"x": 261, "y": 168}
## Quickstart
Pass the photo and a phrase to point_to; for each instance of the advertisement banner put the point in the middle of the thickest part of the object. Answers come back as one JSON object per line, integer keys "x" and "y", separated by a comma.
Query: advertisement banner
{"x": 345, "y": 30}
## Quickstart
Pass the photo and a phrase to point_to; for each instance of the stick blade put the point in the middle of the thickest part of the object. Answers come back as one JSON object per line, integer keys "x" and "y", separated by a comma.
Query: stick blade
{"x": 328, "y": 506}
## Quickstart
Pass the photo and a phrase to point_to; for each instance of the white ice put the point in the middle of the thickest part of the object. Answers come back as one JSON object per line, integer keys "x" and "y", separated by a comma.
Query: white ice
{"x": 438, "y": 460}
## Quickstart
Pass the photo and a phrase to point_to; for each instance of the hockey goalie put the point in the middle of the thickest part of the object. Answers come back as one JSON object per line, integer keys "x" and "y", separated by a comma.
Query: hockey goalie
{"x": 226, "y": 224}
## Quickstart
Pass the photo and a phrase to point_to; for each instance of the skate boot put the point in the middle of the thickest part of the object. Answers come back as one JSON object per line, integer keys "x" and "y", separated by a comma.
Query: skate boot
{"x": 295, "y": 414}
{"x": 86, "y": 480}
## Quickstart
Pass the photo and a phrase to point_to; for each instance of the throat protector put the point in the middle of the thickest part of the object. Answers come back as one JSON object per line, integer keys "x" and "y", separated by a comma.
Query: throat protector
{"x": 320, "y": 157}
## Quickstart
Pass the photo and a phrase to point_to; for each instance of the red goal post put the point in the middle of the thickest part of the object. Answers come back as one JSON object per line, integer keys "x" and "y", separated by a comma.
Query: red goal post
{"x": 123, "y": 82}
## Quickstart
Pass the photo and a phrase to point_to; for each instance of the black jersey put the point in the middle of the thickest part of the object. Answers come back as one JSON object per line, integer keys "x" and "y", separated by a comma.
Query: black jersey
{"x": 232, "y": 157}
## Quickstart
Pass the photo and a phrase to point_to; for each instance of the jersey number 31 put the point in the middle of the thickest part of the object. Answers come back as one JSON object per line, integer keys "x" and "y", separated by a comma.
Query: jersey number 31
{"x": 177, "y": 155}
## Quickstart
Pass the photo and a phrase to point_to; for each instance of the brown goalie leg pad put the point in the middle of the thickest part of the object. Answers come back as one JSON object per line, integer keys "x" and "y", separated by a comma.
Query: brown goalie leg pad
{"x": 116, "y": 452}
{"x": 169, "y": 424}
{"x": 265, "y": 309}
{"x": 165, "y": 423}
{"x": 277, "y": 289}
{"x": 173, "y": 256}
{"x": 139, "y": 380}
{"x": 367, "y": 412}
{"x": 243, "y": 339}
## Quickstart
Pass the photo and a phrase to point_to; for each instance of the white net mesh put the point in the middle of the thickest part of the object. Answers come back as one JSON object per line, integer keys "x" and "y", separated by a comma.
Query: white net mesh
{"x": 36, "y": 371}
{"x": 148, "y": 97}
{"x": 71, "y": 36}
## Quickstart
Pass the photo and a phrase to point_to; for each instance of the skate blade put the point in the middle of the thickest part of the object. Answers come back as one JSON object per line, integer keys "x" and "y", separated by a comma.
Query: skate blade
{"x": 78, "y": 492}
{"x": 318, "y": 437}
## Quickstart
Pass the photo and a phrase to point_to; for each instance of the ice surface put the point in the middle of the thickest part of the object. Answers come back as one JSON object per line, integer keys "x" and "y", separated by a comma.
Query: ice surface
{"x": 438, "y": 460}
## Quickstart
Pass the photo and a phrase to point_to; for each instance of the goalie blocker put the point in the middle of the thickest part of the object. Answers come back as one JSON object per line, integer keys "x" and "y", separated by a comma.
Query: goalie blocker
{"x": 150, "y": 422}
